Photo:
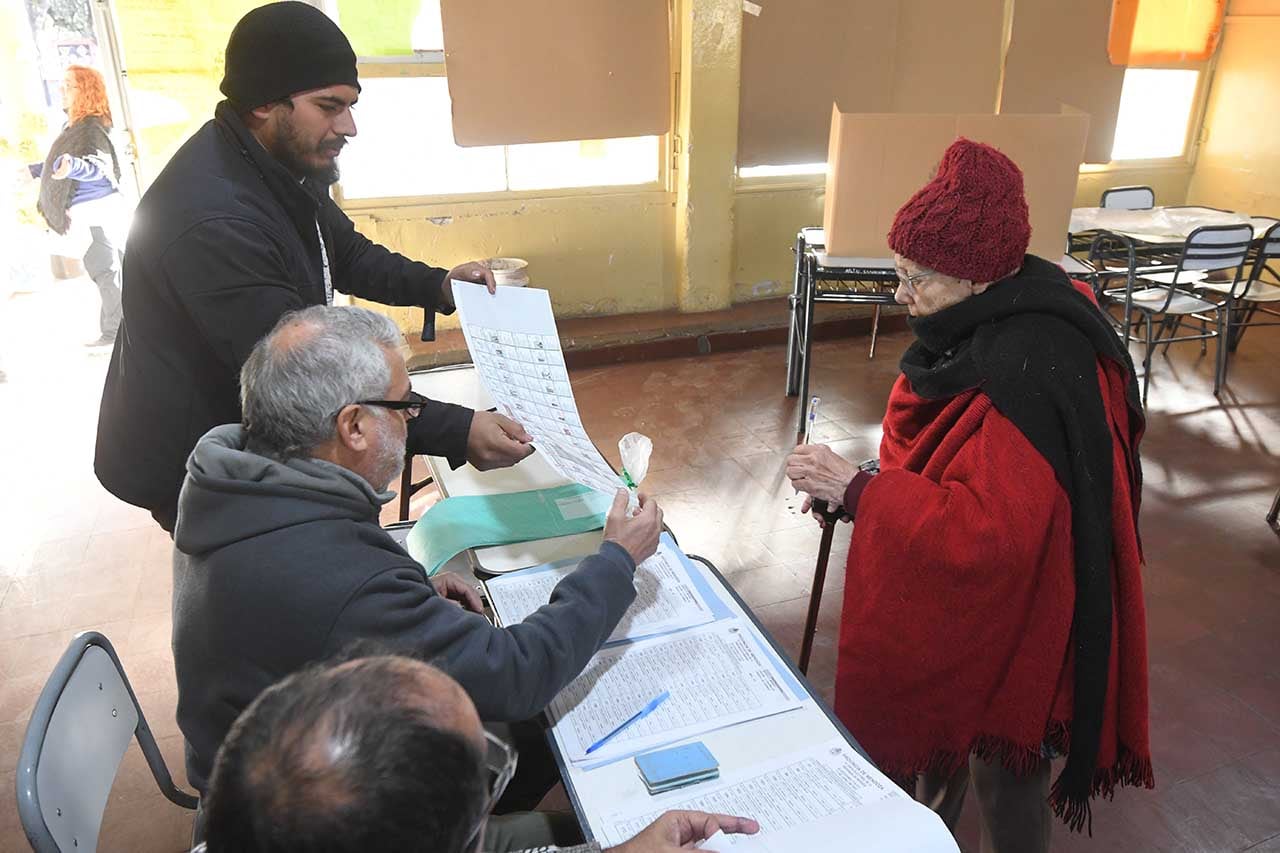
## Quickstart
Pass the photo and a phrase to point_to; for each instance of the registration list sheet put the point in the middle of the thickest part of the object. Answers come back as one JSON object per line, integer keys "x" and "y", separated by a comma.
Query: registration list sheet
{"x": 717, "y": 675}
{"x": 824, "y": 798}
{"x": 666, "y": 598}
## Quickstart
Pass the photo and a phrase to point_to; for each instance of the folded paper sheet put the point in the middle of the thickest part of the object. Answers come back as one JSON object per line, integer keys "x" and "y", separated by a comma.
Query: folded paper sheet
{"x": 474, "y": 521}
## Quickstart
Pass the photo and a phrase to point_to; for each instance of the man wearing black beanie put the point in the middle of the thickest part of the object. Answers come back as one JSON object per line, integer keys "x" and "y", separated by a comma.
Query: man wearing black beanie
{"x": 238, "y": 229}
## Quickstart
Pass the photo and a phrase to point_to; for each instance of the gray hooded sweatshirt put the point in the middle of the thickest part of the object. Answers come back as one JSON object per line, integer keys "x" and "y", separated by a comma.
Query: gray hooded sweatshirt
{"x": 280, "y": 564}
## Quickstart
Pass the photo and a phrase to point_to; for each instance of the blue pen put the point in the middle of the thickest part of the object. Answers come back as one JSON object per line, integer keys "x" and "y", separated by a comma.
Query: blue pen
{"x": 636, "y": 717}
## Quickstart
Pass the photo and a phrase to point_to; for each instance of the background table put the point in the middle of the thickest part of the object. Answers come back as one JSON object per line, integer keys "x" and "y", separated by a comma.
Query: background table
{"x": 858, "y": 281}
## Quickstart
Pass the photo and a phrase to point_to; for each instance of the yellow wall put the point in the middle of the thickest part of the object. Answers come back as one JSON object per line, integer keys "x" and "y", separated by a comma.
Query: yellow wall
{"x": 1239, "y": 163}
{"x": 173, "y": 52}
{"x": 596, "y": 254}
{"x": 707, "y": 241}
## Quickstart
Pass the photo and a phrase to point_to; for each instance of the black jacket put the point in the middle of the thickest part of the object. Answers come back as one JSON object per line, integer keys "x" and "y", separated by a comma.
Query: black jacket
{"x": 277, "y": 565}
{"x": 222, "y": 244}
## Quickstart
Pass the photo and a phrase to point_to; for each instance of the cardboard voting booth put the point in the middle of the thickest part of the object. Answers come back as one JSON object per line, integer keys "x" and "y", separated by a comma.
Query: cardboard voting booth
{"x": 556, "y": 70}
{"x": 877, "y": 161}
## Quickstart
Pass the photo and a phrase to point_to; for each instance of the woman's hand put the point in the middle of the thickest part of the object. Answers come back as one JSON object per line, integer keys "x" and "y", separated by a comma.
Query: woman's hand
{"x": 816, "y": 470}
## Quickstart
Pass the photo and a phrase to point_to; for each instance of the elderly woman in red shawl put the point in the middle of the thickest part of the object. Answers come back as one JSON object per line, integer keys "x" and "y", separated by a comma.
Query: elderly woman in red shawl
{"x": 993, "y": 614}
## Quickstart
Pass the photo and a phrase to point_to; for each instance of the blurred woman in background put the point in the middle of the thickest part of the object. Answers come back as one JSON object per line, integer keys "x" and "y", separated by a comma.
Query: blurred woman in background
{"x": 80, "y": 191}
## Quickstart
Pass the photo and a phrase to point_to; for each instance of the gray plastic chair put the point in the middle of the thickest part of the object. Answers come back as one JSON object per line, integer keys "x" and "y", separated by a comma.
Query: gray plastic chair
{"x": 81, "y": 726}
{"x": 1128, "y": 198}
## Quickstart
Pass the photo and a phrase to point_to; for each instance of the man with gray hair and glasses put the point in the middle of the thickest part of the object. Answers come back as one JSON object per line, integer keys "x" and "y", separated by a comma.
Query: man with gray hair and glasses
{"x": 280, "y": 561}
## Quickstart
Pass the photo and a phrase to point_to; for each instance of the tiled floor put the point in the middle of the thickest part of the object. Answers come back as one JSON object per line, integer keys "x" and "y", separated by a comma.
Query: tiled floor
{"x": 71, "y": 557}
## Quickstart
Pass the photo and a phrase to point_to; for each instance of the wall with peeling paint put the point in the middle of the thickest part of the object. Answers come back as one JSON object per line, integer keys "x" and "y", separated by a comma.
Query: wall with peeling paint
{"x": 596, "y": 254}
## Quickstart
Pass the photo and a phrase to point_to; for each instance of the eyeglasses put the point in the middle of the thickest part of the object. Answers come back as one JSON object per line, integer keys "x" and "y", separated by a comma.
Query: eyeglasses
{"x": 500, "y": 766}
{"x": 909, "y": 281}
{"x": 411, "y": 406}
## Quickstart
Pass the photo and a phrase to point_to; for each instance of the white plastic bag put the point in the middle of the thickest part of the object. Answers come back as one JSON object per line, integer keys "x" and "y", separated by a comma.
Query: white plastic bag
{"x": 636, "y": 450}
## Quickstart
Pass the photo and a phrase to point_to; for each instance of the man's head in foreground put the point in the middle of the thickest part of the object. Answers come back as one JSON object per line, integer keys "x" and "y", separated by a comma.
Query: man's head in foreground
{"x": 380, "y": 753}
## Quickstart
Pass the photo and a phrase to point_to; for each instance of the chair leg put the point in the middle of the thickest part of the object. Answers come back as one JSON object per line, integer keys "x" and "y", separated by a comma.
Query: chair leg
{"x": 1224, "y": 341}
{"x": 1172, "y": 324}
{"x": 406, "y": 486}
{"x": 875, "y": 327}
{"x": 1146, "y": 363}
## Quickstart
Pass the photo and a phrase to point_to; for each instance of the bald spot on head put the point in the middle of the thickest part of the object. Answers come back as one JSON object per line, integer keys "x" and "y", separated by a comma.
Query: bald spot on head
{"x": 307, "y": 767}
{"x": 425, "y": 689}
{"x": 293, "y": 334}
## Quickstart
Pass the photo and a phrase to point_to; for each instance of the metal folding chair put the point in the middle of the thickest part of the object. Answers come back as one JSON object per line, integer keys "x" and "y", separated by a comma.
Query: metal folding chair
{"x": 81, "y": 726}
{"x": 1171, "y": 294}
{"x": 1128, "y": 198}
{"x": 1251, "y": 295}
{"x": 408, "y": 488}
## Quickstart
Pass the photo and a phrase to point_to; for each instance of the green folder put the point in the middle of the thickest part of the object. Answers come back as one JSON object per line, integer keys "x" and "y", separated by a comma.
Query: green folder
{"x": 478, "y": 521}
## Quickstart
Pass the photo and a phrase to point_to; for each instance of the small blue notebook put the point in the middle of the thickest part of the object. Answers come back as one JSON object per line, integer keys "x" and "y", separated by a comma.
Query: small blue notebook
{"x": 687, "y": 764}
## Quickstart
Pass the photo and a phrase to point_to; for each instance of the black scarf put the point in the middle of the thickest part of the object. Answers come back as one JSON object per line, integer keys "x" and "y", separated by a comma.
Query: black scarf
{"x": 85, "y": 138}
{"x": 1032, "y": 342}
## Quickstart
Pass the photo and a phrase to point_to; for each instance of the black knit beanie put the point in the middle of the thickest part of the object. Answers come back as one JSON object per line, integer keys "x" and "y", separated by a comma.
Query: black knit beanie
{"x": 281, "y": 49}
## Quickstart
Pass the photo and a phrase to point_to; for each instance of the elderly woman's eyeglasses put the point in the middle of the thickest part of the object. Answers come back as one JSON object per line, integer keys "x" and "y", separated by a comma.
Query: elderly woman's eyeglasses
{"x": 500, "y": 766}
{"x": 909, "y": 281}
{"x": 411, "y": 405}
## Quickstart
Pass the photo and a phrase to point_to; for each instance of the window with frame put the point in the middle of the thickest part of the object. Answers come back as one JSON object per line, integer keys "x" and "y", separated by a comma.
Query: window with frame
{"x": 404, "y": 147}
{"x": 1156, "y": 109}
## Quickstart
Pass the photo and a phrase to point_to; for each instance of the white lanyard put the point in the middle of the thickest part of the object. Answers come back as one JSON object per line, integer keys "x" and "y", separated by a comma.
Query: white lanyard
{"x": 324, "y": 261}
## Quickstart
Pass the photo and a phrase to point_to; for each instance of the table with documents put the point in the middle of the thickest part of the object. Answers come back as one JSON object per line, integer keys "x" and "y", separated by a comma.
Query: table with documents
{"x": 785, "y": 760}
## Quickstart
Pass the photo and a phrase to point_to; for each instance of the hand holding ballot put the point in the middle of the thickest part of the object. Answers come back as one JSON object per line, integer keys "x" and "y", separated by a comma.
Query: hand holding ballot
{"x": 496, "y": 441}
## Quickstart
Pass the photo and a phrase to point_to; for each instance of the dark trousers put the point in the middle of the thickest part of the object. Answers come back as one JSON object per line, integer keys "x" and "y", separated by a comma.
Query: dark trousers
{"x": 1014, "y": 810}
{"x": 536, "y": 770}
{"x": 102, "y": 263}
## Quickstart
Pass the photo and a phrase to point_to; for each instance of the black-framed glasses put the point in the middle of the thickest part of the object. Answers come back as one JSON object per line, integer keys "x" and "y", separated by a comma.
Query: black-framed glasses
{"x": 499, "y": 765}
{"x": 411, "y": 405}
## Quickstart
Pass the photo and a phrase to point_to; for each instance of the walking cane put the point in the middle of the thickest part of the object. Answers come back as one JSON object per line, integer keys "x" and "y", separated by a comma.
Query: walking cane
{"x": 831, "y": 517}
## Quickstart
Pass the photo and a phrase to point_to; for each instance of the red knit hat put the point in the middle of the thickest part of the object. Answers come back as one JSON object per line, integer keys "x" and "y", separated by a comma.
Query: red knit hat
{"x": 971, "y": 220}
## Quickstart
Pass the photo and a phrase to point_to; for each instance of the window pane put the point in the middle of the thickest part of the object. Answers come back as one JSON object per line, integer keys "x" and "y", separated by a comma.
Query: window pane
{"x": 780, "y": 171}
{"x": 589, "y": 163}
{"x": 1155, "y": 107}
{"x": 405, "y": 144}
{"x": 391, "y": 27}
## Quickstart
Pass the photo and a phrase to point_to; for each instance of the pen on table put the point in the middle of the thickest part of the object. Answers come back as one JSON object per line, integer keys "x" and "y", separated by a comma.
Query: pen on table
{"x": 494, "y": 409}
{"x": 636, "y": 717}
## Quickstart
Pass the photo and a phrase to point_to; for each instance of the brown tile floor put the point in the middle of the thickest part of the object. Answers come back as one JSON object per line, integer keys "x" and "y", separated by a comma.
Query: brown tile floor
{"x": 71, "y": 557}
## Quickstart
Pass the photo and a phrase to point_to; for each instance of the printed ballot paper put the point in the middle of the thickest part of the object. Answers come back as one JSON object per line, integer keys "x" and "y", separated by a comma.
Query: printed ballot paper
{"x": 516, "y": 350}
{"x": 824, "y": 798}
{"x": 717, "y": 675}
{"x": 666, "y": 598}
